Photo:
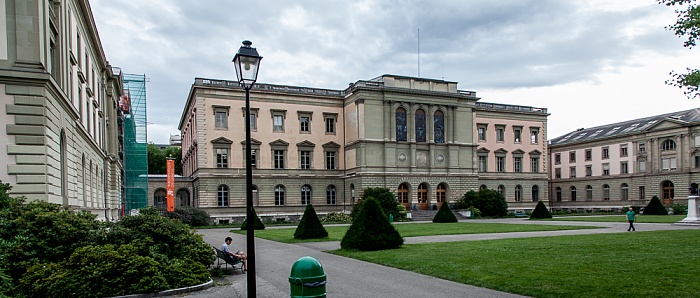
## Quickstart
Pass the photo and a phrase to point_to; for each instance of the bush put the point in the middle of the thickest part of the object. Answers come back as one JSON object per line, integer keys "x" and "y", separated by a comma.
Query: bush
{"x": 540, "y": 211}
{"x": 655, "y": 207}
{"x": 489, "y": 202}
{"x": 679, "y": 209}
{"x": 336, "y": 217}
{"x": 257, "y": 224}
{"x": 371, "y": 230}
{"x": 444, "y": 215}
{"x": 310, "y": 227}
{"x": 387, "y": 201}
{"x": 194, "y": 217}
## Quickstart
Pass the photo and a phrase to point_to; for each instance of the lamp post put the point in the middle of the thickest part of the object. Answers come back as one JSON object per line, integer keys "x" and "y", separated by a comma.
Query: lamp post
{"x": 247, "y": 62}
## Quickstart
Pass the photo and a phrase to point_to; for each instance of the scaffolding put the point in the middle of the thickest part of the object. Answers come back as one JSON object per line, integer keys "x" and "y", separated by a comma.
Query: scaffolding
{"x": 135, "y": 142}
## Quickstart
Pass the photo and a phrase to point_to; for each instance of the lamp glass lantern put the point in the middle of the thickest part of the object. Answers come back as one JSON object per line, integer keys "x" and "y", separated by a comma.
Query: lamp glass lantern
{"x": 247, "y": 62}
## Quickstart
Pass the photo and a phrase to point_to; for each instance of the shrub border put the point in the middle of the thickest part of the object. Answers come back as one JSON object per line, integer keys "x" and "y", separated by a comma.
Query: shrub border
{"x": 189, "y": 289}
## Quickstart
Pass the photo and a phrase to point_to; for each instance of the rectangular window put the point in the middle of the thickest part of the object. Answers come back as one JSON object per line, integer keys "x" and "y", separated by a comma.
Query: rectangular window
{"x": 305, "y": 160}
{"x": 534, "y": 164}
{"x": 500, "y": 164}
{"x": 623, "y": 150}
{"x": 642, "y": 147}
{"x": 697, "y": 140}
{"x": 641, "y": 193}
{"x": 589, "y": 171}
{"x": 697, "y": 161}
{"x": 482, "y": 163}
{"x": 624, "y": 168}
{"x": 668, "y": 164}
{"x": 606, "y": 153}
{"x": 222, "y": 158}
{"x": 517, "y": 135}
{"x": 330, "y": 125}
{"x": 221, "y": 119}
{"x": 572, "y": 172}
{"x": 330, "y": 160}
{"x": 253, "y": 121}
{"x": 278, "y": 159}
{"x": 606, "y": 169}
{"x": 304, "y": 124}
{"x": 557, "y": 158}
{"x": 642, "y": 166}
{"x": 500, "y": 135}
{"x": 482, "y": 133}
{"x": 572, "y": 156}
{"x": 253, "y": 158}
{"x": 589, "y": 154}
{"x": 533, "y": 136}
{"x": 557, "y": 173}
{"x": 517, "y": 167}
{"x": 277, "y": 123}
{"x": 589, "y": 194}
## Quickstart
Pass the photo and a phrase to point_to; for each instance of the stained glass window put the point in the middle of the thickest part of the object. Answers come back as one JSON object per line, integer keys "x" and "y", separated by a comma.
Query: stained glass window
{"x": 439, "y": 121}
{"x": 401, "y": 125}
{"x": 420, "y": 126}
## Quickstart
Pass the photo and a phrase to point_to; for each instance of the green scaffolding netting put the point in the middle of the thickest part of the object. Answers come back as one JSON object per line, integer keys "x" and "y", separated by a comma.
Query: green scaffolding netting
{"x": 135, "y": 144}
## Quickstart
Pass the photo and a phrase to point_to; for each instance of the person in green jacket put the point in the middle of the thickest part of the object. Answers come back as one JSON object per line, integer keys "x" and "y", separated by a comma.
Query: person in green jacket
{"x": 631, "y": 216}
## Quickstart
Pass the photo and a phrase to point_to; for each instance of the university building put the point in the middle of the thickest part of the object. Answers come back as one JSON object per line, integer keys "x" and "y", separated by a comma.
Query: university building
{"x": 58, "y": 107}
{"x": 418, "y": 137}
{"x": 626, "y": 163}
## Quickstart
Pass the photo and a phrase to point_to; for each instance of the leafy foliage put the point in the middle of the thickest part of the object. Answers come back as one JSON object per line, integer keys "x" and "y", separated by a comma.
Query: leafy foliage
{"x": 540, "y": 211}
{"x": 157, "y": 157}
{"x": 336, "y": 217}
{"x": 257, "y": 224}
{"x": 655, "y": 207}
{"x": 444, "y": 214}
{"x": 387, "y": 201}
{"x": 687, "y": 26}
{"x": 194, "y": 217}
{"x": 310, "y": 226}
{"x": 371, "y": 230}
{"x": 489, "y": 202}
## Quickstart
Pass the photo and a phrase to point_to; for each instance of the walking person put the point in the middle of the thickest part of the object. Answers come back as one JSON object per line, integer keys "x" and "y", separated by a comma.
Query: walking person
{"x": 631, "y": 216}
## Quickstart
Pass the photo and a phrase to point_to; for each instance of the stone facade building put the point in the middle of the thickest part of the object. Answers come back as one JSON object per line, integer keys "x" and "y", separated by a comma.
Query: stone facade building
{"x": 414, "y": 136}
{"x": 626, "y": 163}
{"x": 58, "y": 107}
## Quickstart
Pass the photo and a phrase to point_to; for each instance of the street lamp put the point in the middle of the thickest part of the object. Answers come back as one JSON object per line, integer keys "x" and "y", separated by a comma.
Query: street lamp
{"x": 247, "y": 62}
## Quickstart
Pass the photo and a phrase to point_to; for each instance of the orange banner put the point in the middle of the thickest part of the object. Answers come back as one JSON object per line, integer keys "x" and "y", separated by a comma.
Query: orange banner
{"x": 170, "y": 184}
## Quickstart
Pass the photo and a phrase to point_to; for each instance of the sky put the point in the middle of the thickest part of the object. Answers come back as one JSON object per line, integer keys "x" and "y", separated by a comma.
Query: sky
{"x": 589, "y": 62}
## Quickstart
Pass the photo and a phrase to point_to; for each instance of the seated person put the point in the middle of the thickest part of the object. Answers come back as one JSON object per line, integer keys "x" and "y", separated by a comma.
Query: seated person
{"x": 238, "y": 255}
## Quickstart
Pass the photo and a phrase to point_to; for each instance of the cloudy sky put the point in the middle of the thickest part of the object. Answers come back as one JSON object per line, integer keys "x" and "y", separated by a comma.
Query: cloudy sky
{"x": 589, "y": 62}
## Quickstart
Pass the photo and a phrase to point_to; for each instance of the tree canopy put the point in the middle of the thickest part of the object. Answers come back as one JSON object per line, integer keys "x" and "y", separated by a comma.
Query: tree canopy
{"x": 687, "y": 26}
{"x": 156, "y": 159}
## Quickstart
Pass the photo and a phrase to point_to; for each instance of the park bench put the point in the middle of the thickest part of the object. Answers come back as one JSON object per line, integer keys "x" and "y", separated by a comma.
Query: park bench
{"x": 228, "y": 260}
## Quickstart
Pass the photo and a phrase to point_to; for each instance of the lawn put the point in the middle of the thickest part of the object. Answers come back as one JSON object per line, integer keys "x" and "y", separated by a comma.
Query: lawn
{"x": 623, "y": 219}
{"x": 641, "y": 264}
{"x": 336, "y": 233}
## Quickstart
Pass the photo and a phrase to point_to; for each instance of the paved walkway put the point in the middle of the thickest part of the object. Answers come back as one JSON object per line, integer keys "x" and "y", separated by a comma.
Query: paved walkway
{"x": 353, "y": 278}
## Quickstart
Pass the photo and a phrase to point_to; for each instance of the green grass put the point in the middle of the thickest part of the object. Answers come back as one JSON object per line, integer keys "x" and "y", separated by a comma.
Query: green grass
{"x": 623, "y": 219}
{"x": 336, "y": 233}
{"x": 641, "y": 264}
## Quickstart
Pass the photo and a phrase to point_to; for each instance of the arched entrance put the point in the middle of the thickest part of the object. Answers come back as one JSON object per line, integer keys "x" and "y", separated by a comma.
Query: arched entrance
{"x": 441, "y": 194}
{"x": 403, "y": 196}
{"x": 667, "y": 192}
{"x": 423, "y": 196}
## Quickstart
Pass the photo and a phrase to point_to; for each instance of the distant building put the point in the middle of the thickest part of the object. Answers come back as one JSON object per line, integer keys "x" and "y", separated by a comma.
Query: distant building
{"x": 414, "y": 136}
{"x": 175, "y": 140}
{"x": 627, "y": 163}
{"x": 58, "y": 108}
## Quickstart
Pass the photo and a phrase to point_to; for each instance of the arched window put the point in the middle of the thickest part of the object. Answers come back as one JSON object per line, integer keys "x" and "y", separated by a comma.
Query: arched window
{"x": 535, "y": 193}
{"x": 483, "y": 186}
{"x": 518, "y": 193}
{"x": 441, "y": 193}
{"x": 403, "y": 194}
{"x": 573, "y": 193}
{"x": 306, "y": 194}
{"x": 589, "y": 193}
{"x": 401, "y": 126}
{"x": 606, "y": 192}
{"x": 159, "y": 198}
{"x": 558, "y": 192}
{"x": 502, "y": 190}
{"x": 624, "y": 191}
{"x": 439, "y": 127}
{"x": 330, "y": 195}
{"x": 422, "y": 194}
{"x": 279, "y": 195}
{"x": 222, "y": 196}
{"x": 668, "y": 145}
{"x": 184, "y": 197}
{"x": 420, "y": 126}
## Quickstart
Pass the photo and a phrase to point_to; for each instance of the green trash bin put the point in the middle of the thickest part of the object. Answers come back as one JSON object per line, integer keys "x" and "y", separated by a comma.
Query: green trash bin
{"x": 307, "y": 278}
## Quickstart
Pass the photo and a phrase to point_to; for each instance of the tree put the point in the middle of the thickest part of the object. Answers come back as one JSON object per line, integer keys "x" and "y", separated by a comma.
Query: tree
{"x": 386, "y": 199}
{"x": 444, "y": 214}
{"x": 687, "y": 26}
{"x": 655, "y": 207}
{"x": 371, "y": 230}
{"x": 157, "y": 157}
{"x": 310, "y": 227}
{"x": 489, "y": 202}
{"x": 540, "y": 211}
{"x": 257, "y": 223}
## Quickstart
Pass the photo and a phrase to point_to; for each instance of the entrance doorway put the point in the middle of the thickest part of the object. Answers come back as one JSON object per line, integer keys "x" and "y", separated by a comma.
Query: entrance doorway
{"x": 441, "y": 194}
{"x": 403, "y": 196}
{"x": 667, "y": 192}
{"x": 422, "y": 197}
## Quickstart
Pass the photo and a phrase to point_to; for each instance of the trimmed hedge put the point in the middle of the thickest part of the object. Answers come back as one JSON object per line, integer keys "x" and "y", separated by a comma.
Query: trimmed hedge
{"x": 540, "y": 211}
{"x": 257, "y": 223}
{"x": 444, "y": 215}
{"x": 655, "y": 207}
{"x": 194, "y": 217}
{"x": 371, "y": 230}
{"x": 310, "y": 226}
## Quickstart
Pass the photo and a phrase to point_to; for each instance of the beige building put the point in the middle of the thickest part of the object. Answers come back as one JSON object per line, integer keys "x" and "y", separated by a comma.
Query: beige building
{"x": 626, "y": 163}
{"x": 58, "y": 107}
{"x": 414, "y": 136}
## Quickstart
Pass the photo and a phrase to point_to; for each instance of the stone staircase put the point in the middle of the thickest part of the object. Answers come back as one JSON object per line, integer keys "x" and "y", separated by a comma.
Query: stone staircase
{"x": 427, "y": 215}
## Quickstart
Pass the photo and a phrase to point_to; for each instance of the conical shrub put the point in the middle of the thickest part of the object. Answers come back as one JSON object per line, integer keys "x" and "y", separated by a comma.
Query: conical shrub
{"x": 444, "y": 215}
{"x": 310, "y": 226}
{"x": 540, "y": 211}
{"x": 655, "y": 207}
{"x": 257, "y": 224}
{"x": 371, "y": 230}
